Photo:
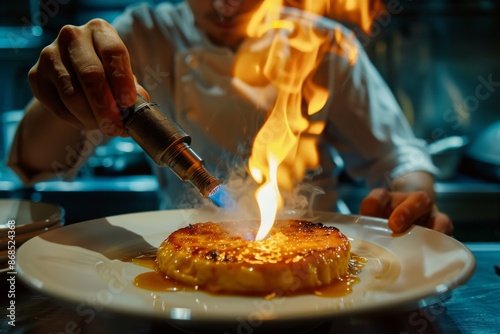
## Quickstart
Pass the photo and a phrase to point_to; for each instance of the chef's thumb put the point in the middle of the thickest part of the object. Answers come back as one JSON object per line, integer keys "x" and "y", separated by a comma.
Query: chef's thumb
{"x": 142, "y": 92}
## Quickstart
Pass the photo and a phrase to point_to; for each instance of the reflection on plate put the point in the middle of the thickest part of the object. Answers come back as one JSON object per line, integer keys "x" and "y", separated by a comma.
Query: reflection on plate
{"x": 80, "y": 263}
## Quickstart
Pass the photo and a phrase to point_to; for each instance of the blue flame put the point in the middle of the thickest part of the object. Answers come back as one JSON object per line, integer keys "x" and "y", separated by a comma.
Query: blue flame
{"x": 222, "y": 198}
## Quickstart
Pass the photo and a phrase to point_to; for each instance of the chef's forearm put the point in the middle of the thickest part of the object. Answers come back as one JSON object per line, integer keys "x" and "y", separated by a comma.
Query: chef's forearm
{"x": 44, "y": 146}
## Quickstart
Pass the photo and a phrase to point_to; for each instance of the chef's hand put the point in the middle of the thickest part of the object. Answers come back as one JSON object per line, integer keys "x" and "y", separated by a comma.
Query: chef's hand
{"x": 404, "y": 209}
{"x": 84, "y": 76}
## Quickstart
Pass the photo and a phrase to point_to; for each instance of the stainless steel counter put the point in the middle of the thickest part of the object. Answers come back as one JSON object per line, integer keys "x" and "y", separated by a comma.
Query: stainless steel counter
{"x": 471, "y": 308}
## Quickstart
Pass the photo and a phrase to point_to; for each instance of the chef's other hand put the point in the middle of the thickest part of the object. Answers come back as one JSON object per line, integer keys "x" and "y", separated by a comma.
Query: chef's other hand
{"x": 404, "y": 209}
{"x": 84, "y": 76}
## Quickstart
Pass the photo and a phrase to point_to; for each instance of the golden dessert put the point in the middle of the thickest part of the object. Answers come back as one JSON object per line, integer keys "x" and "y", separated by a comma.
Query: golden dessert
{"x": 222, "y": 257}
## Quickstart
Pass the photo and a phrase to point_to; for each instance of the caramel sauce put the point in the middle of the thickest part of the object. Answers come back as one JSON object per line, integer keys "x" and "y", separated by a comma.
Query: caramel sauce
{"x": 155, "y": 281}
{"x": 343, "y": 285}
{"x": 147, "y": 260}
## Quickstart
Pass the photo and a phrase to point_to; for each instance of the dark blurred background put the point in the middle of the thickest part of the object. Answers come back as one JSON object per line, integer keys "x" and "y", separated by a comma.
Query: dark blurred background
{"x": 440, "y": 58}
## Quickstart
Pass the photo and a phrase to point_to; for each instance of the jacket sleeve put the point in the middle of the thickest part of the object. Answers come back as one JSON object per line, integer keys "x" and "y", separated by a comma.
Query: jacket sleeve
{"x": 43, "y": 148}
{"x": 365, "y": 122}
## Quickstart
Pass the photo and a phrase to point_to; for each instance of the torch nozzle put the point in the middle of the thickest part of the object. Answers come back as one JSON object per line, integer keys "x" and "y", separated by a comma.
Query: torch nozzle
{"x": 167, "y": 144}
{"x": 188, "y": 166}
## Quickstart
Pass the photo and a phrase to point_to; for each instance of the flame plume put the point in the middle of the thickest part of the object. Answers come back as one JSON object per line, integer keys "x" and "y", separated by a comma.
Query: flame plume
{"x": 281, "y": 56}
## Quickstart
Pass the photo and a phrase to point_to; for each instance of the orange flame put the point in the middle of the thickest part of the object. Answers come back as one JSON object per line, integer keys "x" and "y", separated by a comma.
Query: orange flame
{"x": 283, "y": 55}
{"x": 358, "y": 12}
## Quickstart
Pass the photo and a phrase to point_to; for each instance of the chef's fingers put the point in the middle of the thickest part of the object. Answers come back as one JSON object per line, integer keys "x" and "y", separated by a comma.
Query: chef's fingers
{"x": 54, "y": 104}
{"x": 376, "y": 204}
{"x": 49, "y": 80}
{"x": 440, "y": 222}
{"x": 409, "y": 208}
{"x": 91, "y": 76}
{"x": 116, "y": 62}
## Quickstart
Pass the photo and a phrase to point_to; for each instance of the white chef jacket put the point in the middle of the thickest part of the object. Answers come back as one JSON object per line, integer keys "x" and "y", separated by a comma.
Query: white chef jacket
{"x": 190, "y": 78}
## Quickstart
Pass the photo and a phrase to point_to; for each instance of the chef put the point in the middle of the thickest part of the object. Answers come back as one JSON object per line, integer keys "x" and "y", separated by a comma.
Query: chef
{"x": 185, "y": 57}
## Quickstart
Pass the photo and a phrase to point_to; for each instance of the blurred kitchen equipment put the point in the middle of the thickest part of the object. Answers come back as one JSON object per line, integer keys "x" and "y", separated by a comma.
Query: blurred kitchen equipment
{"x": 484, "y": 152}
{"x": 168, "y": 145}
{"x": 447, "y": 154}
{"x": 28, "y": 216}
{"x": 9, "y": 121}
{"x": 119, "y": 157}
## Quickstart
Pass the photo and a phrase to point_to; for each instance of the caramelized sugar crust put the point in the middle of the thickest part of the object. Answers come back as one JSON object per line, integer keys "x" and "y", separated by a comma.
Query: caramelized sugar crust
{"x": 223, "y": 258}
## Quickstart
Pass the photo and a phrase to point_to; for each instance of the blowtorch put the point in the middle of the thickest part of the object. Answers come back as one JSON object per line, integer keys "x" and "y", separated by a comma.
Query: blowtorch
{"x": 168, "y": 145}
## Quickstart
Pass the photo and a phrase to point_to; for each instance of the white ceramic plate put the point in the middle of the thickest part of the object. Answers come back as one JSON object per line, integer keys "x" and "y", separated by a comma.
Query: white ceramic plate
{"x": 80, "y": 263}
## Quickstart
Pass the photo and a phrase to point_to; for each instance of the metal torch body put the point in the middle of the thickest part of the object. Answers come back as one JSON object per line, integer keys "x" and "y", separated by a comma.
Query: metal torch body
{"x": 167, "y": 144}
